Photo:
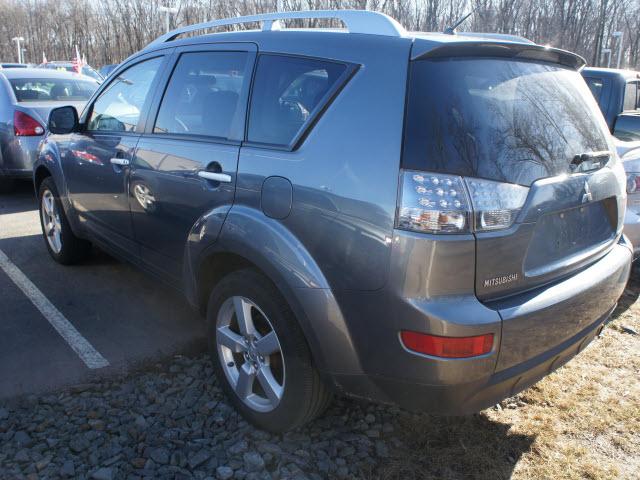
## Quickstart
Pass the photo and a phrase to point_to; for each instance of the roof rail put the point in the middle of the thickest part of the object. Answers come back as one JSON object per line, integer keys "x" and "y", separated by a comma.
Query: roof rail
{"x": 497, "y": 36}
{"x": 356, "y": 21}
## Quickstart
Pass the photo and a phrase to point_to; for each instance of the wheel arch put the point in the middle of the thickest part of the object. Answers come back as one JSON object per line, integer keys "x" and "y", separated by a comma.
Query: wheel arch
{"x": 39, "y": 174}
{"x": 249, "y": 239}
{"x": 48, "y": 164}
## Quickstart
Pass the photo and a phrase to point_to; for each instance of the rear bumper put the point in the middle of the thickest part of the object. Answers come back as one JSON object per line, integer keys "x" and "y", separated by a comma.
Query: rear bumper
{"x": 18, "y": 156}
{"x": 467, "y": 398}
{"x": 537, "y": 332}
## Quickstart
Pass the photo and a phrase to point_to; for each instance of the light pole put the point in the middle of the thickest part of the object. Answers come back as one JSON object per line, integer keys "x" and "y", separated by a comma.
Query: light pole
{"x": 619, "y": 35}
{"x": 168, "y": 11}
{"x": 607, "y": 51}
{"x": 18, "y": 40}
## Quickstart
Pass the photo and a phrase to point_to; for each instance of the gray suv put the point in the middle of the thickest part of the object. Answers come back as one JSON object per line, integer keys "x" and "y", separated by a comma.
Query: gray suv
{"x": 430, "y": 220}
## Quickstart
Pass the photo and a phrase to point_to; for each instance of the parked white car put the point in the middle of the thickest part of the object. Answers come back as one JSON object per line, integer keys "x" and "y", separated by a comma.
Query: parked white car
{"x": 629, "y": 153}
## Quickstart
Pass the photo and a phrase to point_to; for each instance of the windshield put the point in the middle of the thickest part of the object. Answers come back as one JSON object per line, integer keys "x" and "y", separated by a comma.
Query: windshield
{"x": 52, "y": 89}
{"x": 506, "y": 120}
{"x": 69, "y": 67}
{"x": 90, "y": 72}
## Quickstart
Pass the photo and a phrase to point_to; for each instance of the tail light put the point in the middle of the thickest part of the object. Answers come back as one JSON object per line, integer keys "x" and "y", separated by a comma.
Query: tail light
{"x": 438, "y": 203}
{"x": 447, "y": 347}
{"x": 25, "y": 125}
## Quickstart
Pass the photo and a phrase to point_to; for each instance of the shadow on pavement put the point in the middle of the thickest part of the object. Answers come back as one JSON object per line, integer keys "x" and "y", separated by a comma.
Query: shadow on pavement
{"x": 20, "y": 199}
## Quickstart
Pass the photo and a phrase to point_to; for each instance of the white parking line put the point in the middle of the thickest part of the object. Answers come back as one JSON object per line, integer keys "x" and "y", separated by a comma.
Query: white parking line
{"x": 89, "y": 355}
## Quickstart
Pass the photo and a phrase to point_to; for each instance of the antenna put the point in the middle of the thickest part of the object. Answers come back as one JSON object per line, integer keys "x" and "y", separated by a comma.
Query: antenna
{"x": 452, "y": 30}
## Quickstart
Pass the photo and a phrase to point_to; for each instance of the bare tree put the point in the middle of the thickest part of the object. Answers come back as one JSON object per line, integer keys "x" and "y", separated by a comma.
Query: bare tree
{"x": 108, "y": 31}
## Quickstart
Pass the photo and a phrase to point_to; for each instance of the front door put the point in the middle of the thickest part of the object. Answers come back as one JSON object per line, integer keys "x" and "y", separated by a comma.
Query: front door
{"x": 185, "y": 164}
{"x": 97, "y": 162}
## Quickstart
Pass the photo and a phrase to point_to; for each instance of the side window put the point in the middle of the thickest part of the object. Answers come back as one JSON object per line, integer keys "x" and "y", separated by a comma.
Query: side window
{"x": 631, "y": 96}
{"x": 203, "y": 95}
{"x": 595, "y": 85}
{"x": 286, "y": 93}
{"x": 118, "y": 107}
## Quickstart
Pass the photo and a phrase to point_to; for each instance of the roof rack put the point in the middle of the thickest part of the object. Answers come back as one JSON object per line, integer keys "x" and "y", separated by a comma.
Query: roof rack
{"x": 356, "y": 21}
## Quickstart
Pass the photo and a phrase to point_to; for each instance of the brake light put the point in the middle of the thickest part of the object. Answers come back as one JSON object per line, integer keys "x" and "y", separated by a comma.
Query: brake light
{"x": 447, "y": 347}
{"x": 438, "y": 203}
{"x": 25, "y": 125}
{"x": 433, "y": 203}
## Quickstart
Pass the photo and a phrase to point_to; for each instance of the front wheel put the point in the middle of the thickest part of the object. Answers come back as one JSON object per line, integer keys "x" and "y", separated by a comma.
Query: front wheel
{"x": 260, "y": 354}
{"x": 62, "y": 244}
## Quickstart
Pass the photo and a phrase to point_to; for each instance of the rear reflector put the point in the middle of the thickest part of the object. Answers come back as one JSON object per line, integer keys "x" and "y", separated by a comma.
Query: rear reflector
{"x": 26, "y": 126}
{"x": 447, "y": 347}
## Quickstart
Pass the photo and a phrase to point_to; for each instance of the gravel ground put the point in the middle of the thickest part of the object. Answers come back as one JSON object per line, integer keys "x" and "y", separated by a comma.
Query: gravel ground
{"x": 174, "y": 422}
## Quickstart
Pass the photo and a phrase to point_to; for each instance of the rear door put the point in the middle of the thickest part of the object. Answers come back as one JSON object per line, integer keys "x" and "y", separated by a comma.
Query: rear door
{"x": 540, "y": 173}
{"x": 186, "y": 161}
{"x": 96, "y": 162}
{"x": 535, "y": 155}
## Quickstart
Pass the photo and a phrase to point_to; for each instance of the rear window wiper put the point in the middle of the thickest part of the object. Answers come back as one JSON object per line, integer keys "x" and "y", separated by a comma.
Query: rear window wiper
{"x": 584, "y": 162}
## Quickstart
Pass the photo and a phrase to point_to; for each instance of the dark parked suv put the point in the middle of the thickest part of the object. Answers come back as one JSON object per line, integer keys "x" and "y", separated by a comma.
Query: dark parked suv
{"x": 427, "y": 219}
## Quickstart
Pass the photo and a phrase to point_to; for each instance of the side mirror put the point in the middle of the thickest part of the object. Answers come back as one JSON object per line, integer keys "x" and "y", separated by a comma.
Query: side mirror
{"x": 627, "y": 127}
{"x": 63, "y": 120}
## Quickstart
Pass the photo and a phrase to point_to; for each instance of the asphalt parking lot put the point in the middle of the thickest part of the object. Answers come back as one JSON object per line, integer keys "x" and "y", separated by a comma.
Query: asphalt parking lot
{"x": 64, "y": 325}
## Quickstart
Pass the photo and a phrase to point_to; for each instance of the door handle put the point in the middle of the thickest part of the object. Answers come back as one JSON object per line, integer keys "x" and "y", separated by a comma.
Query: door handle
{"x": 215, "y": 176}
{"x": 121, "y": 162}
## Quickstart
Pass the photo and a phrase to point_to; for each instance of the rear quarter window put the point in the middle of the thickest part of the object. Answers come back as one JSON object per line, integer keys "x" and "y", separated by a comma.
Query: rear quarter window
{"x": 631, "y": 96}
{"x": 506, "y": 120}
{"x": 288, "y": 93}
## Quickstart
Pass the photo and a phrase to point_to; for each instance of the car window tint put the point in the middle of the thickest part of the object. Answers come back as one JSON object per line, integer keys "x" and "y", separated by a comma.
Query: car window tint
{"x": 118, "y": 107}
{"x": 595, "y": 85}
{"x": 631, "y": 96}
{"x": 52, "y": 89}
{"x": 505, "y": 120}
{"x": 287, "y": 90}
{"x": 203, "y": 95}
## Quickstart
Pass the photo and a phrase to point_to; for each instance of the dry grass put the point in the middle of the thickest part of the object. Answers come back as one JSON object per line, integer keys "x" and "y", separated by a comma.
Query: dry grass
{"x": 581, "y": 422}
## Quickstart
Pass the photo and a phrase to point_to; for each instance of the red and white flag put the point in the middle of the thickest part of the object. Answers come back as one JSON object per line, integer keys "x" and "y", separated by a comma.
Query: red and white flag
{"x": 77, "y": 62}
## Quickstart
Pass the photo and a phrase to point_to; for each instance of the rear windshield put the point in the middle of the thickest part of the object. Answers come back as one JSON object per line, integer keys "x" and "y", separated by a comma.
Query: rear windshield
{"x": 506, "y": 120}
{"x": 51, "y": 89}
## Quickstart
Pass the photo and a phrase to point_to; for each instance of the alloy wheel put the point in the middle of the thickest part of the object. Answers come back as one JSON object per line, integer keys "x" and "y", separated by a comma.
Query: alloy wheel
{"x": 51, "y": 221}
{"x": 250, "y": 353}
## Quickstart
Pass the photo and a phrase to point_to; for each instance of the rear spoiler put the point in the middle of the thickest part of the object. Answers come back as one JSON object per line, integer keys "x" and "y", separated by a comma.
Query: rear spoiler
{"x": 494, "y": 49}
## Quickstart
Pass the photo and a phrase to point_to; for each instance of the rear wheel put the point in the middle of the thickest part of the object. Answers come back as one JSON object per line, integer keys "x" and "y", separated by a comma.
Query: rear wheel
{"x": 260, "y": 354}
{"x": 62, "y": 244}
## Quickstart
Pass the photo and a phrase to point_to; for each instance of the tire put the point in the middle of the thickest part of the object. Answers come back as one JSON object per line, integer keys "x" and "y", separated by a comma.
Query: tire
{"x": 302, "y": 394}
{"x": 63, "y": 246}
